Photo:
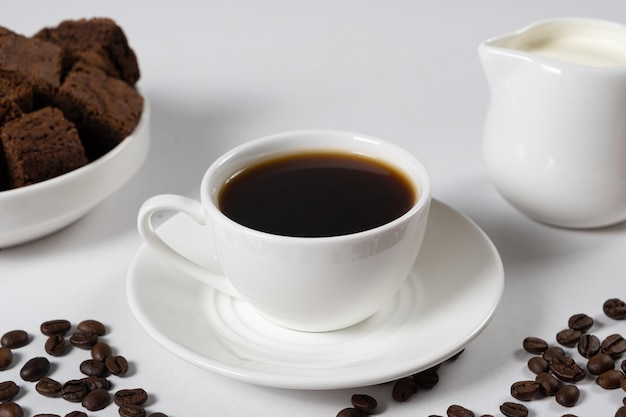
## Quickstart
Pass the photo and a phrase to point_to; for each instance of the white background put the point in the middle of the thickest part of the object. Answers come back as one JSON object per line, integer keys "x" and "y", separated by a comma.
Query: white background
{"x": 219, "y": 73}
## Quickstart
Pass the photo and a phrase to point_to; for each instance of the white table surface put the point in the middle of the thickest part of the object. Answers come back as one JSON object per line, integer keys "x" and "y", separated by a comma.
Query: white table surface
{"x": 218, "y": 73}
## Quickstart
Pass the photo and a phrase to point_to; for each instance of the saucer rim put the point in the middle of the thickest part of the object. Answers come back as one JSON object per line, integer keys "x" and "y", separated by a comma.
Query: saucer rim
{"x": 309, "y": 380}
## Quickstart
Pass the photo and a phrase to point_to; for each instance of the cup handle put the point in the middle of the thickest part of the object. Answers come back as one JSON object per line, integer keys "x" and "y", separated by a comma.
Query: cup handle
{"x": 194, "y": 209}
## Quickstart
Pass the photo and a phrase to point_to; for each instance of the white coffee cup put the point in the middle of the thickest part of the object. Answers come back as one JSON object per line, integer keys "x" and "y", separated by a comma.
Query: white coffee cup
{"x": 302, "y": 283}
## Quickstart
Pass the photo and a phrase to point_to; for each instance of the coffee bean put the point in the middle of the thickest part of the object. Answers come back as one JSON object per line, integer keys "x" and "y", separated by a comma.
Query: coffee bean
{"x": 428, "y": 378}
{"x": 621, "y": 412}
{"x": 568, "y": 337}
{"x": 11, "y": 409}
{"x": 117, "y": 365}
{"x": 48, "y": 387}
{"x": 622, "y": 384}
{"x": 403, "y": 389}
{"x": 614, "y": 345}
{"x": 74, "y": 390}
{"x": 14, "y": 339}
{"x": 92, "y": 367}
{"x": 133, "y": 410}
{"x": 76, "y": 414}
{"x": 566, "y": 369}
{"x": 52, "y": 327}
{"x": 46, "y": 415}
{"x": 537, "y": 364}
{"x": 600, "y": 363}
{"x": 580, "y": 322}
{"x": 6, "y": 357}
{"x": 588, "y": 345}
{"x": 35, "y": 369}
{"x": 84, "y": 340}
{"x": 534, "y": 345}
{"x": 8, "y": 390}
{"x": 157, "y": 415}
{"x": 91, "y": 326}
{"x": 100, "y": 351}
{"x": 346, "y": 412}
{"x": 96, "y": 400}
{"x": 366, "y": 404}
{"x": 95, "y": 382}
{"x": 568, "y": 395}
{"x": 459, "y": 411}
{"x": 511, "y": 409}
{"x": 524, "y": 390}
{"x": 55, "y": 344}
{"x": 610, "y": 379}
{"x": 548, "y": 384}
{"x": 139, "y": 396}
{"x": 615, "y": 308}
{"x": 553, "y": 352}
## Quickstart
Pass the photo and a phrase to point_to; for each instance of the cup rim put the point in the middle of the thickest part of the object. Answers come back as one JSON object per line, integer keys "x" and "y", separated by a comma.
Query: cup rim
{"x": 424, "y": 193}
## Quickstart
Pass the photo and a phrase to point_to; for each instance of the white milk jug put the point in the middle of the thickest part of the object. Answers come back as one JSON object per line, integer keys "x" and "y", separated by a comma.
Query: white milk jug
{"x": 555, "y": 133}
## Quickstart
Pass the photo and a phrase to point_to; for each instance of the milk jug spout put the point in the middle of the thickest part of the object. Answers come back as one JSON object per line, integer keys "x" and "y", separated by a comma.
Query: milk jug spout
{"x": 554, "y": 140}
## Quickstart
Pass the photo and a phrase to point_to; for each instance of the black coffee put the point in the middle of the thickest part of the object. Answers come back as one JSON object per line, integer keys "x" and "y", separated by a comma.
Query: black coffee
{"x": 317, "y": 194}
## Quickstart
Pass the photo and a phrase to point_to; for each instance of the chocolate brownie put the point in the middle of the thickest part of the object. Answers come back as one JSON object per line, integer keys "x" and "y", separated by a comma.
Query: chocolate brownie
{"x": 105, "y": 109}
{"x": 36, "y": 62}
{"x": 39, "y": 146}
{"x": 99, "y": 42}
{"x": 15, "y": 97}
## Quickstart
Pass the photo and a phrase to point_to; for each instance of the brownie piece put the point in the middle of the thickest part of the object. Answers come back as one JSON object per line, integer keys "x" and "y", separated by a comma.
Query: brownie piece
{"x": 34, "y": 61}
{"x": 99, "y": 42}
{"x": 15, "y": 97}
{"x": 39, "y": 146}
{"x": 105, "y": 109}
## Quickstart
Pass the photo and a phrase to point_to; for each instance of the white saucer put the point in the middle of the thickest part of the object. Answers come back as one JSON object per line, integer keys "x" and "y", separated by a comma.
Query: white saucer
{"x": 448, "y": 299}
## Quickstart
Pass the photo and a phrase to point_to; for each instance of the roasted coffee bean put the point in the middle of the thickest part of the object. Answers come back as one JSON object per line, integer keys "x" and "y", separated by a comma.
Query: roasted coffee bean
{"x": 511, "y": 409}
{"x": 615, "y": 308}
{"x": 35, "y": 369}
{"x": 366, "y": 404}
{"x": 8, "y": 390}
{"x": 84, "y": 340}
{"x": 621, "y": 412}
{"x": 11, "y": 409}
{"x": 74, "y": 390}
{"x": 96, "y": 400}
{"x": 100, "y": 351}
{"x": 566, "y": 369}
{"x": 46, "y": 415}
{"x": 459, "y": 411}
{"x": 588, "y": 345}
{"x": 610, "y": 379}
{"x": 91, "y": 326}
{"x": 92, "y": 367}
{"x": 568, "y": 395}
{"x": 428, "y": 378}
{"x": 55, "y": 344}
{"x": 524, "y": 390}
{"x": 157, "y": 415}
{"x": 48, "y": 387}
{"x": 614, "y": 345}
{"x": 14, "y": 339}
{"x": 346, "y": 412}
{"x": 553, "y": 352}
{"x": 139, "y": 396}
{"x": 133, "y": 410}
{"x": 534, "y": 345}
{"x": 580, "y": 322}
{"x": 6, "y": 358}
{"x": 600, "y": 363}
{"x": 76, "y": 414}
{"x": 537, "y": 364}
{"x": 51, "y": 327}
{"x": 568, "y": 337}
{"x": 622, "y": 384}
{"x": 548, "y": 384}
{"x": 95, "y": 382}
{"x": 117, "y": 365}
{"x": 403, "y": 389}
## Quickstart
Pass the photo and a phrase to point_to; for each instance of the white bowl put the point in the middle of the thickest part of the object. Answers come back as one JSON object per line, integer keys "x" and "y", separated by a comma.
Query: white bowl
{"x": 36, "y": 210}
